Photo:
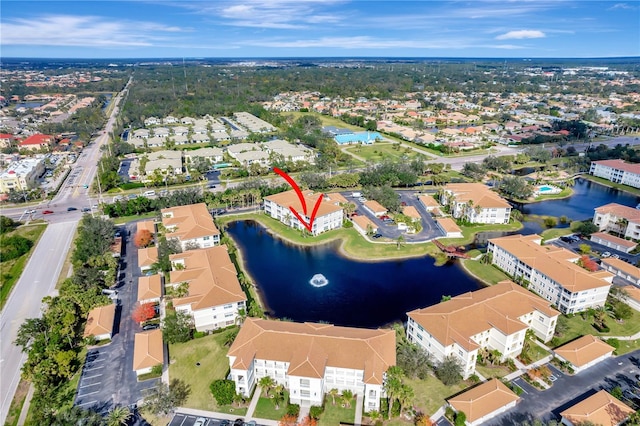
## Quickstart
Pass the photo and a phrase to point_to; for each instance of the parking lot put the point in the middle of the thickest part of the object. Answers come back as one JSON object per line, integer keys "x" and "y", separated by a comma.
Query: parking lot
{"x": 389, "y": 229}
{"x": 181, "y": 419}
{"x": 573, "y": 244}
{"x": 93, "y": 374}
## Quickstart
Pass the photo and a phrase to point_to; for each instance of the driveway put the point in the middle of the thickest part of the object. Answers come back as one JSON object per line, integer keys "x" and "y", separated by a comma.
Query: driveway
{"x": 569, "y": 390}
{"x": 182, "y": 419}
{"x": 107, "y": 377}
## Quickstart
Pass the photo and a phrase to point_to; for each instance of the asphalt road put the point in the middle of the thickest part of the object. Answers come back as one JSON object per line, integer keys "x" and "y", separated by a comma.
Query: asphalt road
{"x": 569, "y": 390}
{"x": 38, "y": 280}
{"x": 41, "y": 272}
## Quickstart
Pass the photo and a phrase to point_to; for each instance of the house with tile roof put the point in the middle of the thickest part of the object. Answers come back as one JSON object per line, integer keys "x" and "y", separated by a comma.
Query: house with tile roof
{"x": 622, "y": 269}
{"x": 149, "y": 289}
{"x": 310, "y": 359}
{"x": 599, "y": 409}
{"x": 192, "y": 226}
{"x": 148, "y": 351}
{"x": 584, "y": 352}
{"x": 475, "y": 203}
{"x": 363, "y": 224}
{"x": 375, "y": 208}
{"x": 613, "y": 242}
{"x": 5, "y": 140}
{"x": 100, "y": 322}
{"x": 550, "y": 271}
{"x": 630, "y": 295}
{"x": 146, "y": 258}
{"x": 449, "y": 227}
{"x": 501, "y": 314}
{"x": 37, "y": 141}
{"x": 484, "y": 402}
{"x": 329, "y": 215}
{"x": 214, "y": 297}
{"x": 617, "y": 218}
{"x": 618, "y": 171}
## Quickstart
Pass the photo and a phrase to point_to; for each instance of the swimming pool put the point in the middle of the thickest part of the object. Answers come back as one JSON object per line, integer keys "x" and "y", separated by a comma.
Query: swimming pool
{"x": 547, "y": 189}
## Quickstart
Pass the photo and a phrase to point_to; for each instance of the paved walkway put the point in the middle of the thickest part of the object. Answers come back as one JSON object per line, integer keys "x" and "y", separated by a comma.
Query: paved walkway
{"x": 254, "y": 402}
{"x": 25, "y": 406}
{"x": 359, "y": 403}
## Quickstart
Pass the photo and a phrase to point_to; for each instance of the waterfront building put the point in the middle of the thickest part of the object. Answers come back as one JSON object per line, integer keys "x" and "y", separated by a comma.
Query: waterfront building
{"x": 22, "y": 175}
{"x": 475, "y": 203}
{"x": 492, "y": 318}
{"x": 550, "y": 271}
{"x": 617, "y": 171}
{"x": 622, "y": 220}
{"x": 213, "y": 296}
{"x": 329, "y": 216}
{"x": 191, "y": 225}
{"x": 310, "y": 359}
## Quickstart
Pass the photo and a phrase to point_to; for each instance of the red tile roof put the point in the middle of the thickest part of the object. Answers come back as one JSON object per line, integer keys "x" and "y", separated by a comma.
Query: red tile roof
{"x": 37, "y": 139}
{"x": 620, "y": 165}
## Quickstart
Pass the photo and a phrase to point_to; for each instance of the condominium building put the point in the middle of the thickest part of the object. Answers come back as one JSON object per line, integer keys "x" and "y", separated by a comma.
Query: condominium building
{"x": 493, "y": 318}
{"x": 310, "y": 359}
{"x": 475, "y": 203}
{"x": 21, "y": 175}
{"x": 213, "y": 296}
{"x": 191, "y": 225}
{"x": 329, "y": 215}
{"x": 617, "y": 171}
{"x": 550, "y": 271}
{"x": 622, "y": 220}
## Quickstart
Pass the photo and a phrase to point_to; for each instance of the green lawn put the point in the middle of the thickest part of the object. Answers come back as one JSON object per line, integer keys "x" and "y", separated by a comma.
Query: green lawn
{"x": 353, "y": 244}
{"x": 469, "y": 232}
{"x": 535, "y": 352}
{"x": 326, "y": 120}
{"x": 335, "y": 414}
{"x": 11, "y": 270}
{"x": 627, "y": 346}
{"x": 381, "y": 151}
{"x": 267, "y": 410}
{"x": 495, "y": 371}
{"x": 549, "y": 234}
{"x": 431, "y": 393}
{"x": 605, "y": 182}
{"x": 484, "y": 272}
{"x": 580, "y": 327}
{"x": 565, "y": 193}
{"x": 210, "y": 352}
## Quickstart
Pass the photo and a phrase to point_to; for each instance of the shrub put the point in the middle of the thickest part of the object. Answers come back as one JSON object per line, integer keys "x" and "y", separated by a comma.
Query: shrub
{"x": 293, "y": 409}
{"x": 614, "y": 342}
{"x": 13, "y": 247}
{"x": 199, "y": 334}
{"x": 156, "y": 369}
{"x": 315, "y": 411}
{"x": 223, "y": 391}
{"x": 460, "y": 419}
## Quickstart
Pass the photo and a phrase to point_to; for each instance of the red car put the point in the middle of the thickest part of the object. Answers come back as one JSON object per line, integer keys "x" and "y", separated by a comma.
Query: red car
{"x": 47, "y": 212}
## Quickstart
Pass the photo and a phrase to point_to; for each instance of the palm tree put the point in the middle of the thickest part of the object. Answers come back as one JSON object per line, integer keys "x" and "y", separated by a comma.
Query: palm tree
{"x": 119, "y": 416}
{"x": 267, "y": 383}
{"x": 404, "y": 396}
{"x": 278, "y": 396}
{"x": 347, "y": 396}
{"x": 399, "y": 241}
{"x": 333, "y": 393}
{"x": 392, "y": 385}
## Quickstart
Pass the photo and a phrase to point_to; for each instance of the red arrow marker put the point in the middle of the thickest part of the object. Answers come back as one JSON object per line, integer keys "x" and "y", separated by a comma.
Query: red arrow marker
{"x": 296, "y": 188}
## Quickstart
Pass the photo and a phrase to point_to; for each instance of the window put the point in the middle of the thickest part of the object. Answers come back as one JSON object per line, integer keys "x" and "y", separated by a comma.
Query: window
{"x": 304, "y": 383}
{"x": 229, "y": 306}
{"x": 304, "y": 394}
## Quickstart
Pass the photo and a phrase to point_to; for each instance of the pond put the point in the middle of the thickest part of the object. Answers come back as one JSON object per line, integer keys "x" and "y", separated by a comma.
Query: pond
{"x": 318, "y": 284}
{"x": 580, "y": 206}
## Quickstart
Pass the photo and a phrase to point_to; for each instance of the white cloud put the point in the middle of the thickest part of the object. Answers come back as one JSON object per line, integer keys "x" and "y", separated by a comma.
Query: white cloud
{"x": 622, "y": 6}
{"x": 520, "y": 34}
{"x": 83, "y": 31}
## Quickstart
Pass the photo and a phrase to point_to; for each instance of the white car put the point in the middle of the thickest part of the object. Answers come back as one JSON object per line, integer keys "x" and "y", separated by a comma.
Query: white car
{"x": 29, "y": 211}
{"x": 606, "y": 254}
{"x": 200, "y": 421}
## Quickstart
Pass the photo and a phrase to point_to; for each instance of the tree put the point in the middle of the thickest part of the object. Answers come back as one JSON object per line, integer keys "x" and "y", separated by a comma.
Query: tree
{"x": 474, "y": 171}
{"x": 278, "y": 396}
{"x": 399, "y": 241}
{"x": 413, "y": 359}
{"x": 587, "y": 228}
{"x": 95, "y": 236}
{"x": 460, "y": 419}
{"x": 333, "y": 393}
{"x": 223, "y": 391}
{"x": 118, "y": 416}
{"x": 143, "y": 238}
{"x": 266, "y": 383}
{"x": 516, "y": 187}
{"x": 449, "y": 371}
{"x": 165, "y": 249}
{"x": 347, "y": 396}
{"x": 162, "y": 399}
{"x": 143, "y": 312}
{"x": 7, "y": 224}
{"x": 393, "y": 385}
{"x": 177, "y": 327}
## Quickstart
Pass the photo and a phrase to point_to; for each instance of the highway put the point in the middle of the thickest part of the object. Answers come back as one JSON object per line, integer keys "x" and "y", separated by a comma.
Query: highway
{"x": 41, "y": 272}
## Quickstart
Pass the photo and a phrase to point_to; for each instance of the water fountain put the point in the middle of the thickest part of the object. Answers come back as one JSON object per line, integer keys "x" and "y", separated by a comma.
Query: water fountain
{"x": 318, "y": 280}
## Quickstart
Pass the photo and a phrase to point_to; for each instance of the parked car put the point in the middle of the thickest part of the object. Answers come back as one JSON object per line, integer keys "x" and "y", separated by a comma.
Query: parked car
{"x": 71, "y": 209}
{"x": 150, "y": 327}
{"x": 238, "y": 422}
{"x": 377, "y": 235}
{"x": 606, "y": 254}
{"x": 200, "y": 421}
{"x": 47, "y": 212}
{"x": 86, "y": 209}
{"x": 29, "y": 211}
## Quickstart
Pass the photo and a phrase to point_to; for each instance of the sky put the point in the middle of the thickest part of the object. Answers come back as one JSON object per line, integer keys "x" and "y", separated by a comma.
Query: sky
{"x": 319, "y": 28}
